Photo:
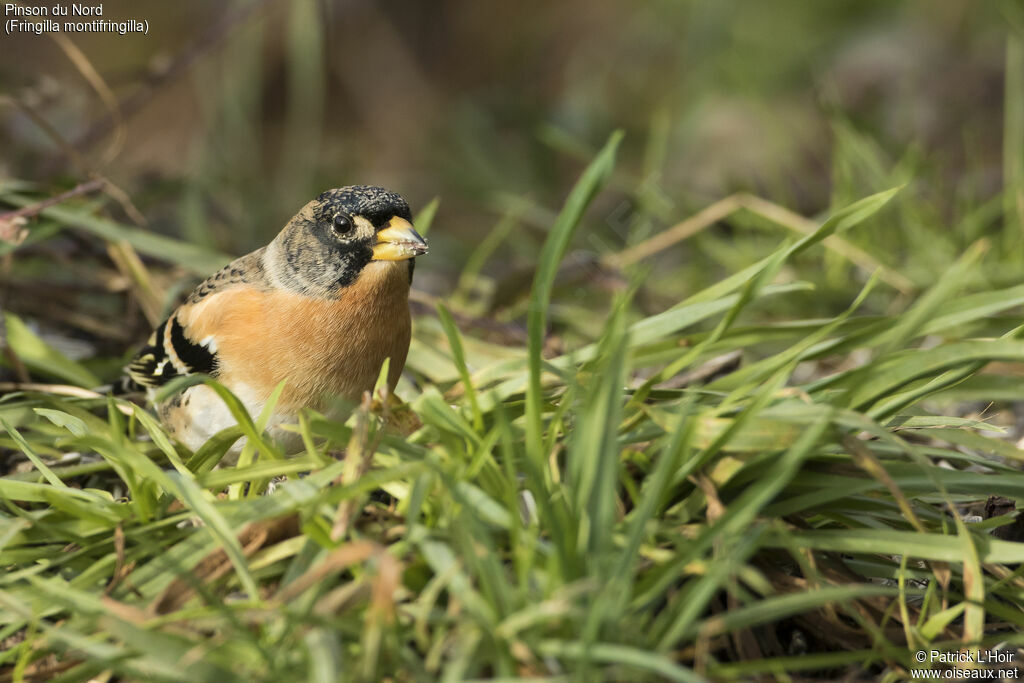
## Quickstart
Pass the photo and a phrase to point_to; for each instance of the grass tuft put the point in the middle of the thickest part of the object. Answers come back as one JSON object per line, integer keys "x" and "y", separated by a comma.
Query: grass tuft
{"x": 592, "y": 508}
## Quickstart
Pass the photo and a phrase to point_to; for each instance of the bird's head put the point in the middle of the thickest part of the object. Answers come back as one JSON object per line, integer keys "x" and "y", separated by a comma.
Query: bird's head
{"x": 334, "y": 237}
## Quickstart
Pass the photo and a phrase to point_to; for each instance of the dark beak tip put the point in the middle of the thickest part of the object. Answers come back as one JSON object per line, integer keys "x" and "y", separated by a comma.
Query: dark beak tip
{"x": 419, "y": 246}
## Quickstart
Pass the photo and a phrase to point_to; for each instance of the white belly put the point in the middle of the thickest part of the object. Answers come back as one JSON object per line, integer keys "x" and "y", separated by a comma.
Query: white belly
{"x": 200, "y": 414}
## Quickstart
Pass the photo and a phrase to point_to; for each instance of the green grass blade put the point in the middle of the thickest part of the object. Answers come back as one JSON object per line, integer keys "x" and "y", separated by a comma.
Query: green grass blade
{"x": 595, "y": 175}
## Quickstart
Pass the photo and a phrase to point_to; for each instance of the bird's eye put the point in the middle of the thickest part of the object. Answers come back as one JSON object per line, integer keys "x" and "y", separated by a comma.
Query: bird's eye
{"x": 343, "y": 223}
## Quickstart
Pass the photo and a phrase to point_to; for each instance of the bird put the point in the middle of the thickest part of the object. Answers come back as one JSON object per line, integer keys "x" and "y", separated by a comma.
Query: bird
{"x": 319, "y": 308}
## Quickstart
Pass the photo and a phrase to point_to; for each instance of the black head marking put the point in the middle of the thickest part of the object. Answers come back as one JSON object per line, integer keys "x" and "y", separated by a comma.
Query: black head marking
{"x": 315, "y": 256}
{"x": 375, "y": 204}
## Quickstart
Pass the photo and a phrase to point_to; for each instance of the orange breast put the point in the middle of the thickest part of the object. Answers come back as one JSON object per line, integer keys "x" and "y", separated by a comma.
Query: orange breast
{"x": 320, "y": 347}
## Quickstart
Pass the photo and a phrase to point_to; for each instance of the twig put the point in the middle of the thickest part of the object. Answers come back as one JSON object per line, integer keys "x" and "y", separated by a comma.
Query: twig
{"x": 52, "y": 133}
{"x": 130, "y": 265}
{"x": 340, "y": 558}
{"x": 358, "y": 457}
{"x": 92, "y": 76}
{"x": 116, "y": 193}
{"x": 56, "y": 303}
{"x": 135, "y": 101}
{"x": 765, "y": 209}
{"x": 786, "y": 218}
{"x": 677, "y": 233}
{"x": 55, "y": 389}
{"x": 9, "y": 220}
{"x": 713, "y": 369}
{"x": 122, "y": 568}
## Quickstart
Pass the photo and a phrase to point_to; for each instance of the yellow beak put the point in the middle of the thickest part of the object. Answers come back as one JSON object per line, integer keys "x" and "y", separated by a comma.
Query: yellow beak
{"x": 398, "y": 241}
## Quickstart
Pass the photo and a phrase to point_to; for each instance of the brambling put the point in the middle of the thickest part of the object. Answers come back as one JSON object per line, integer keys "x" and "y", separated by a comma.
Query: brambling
{"x": 320, "y": 308}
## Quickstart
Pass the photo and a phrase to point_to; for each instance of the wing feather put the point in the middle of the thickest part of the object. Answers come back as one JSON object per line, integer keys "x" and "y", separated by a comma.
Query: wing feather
{"x": 169, "y": 353}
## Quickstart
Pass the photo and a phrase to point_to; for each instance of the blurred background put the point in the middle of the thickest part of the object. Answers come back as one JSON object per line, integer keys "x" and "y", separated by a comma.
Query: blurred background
{"x": 227, "y": 117}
